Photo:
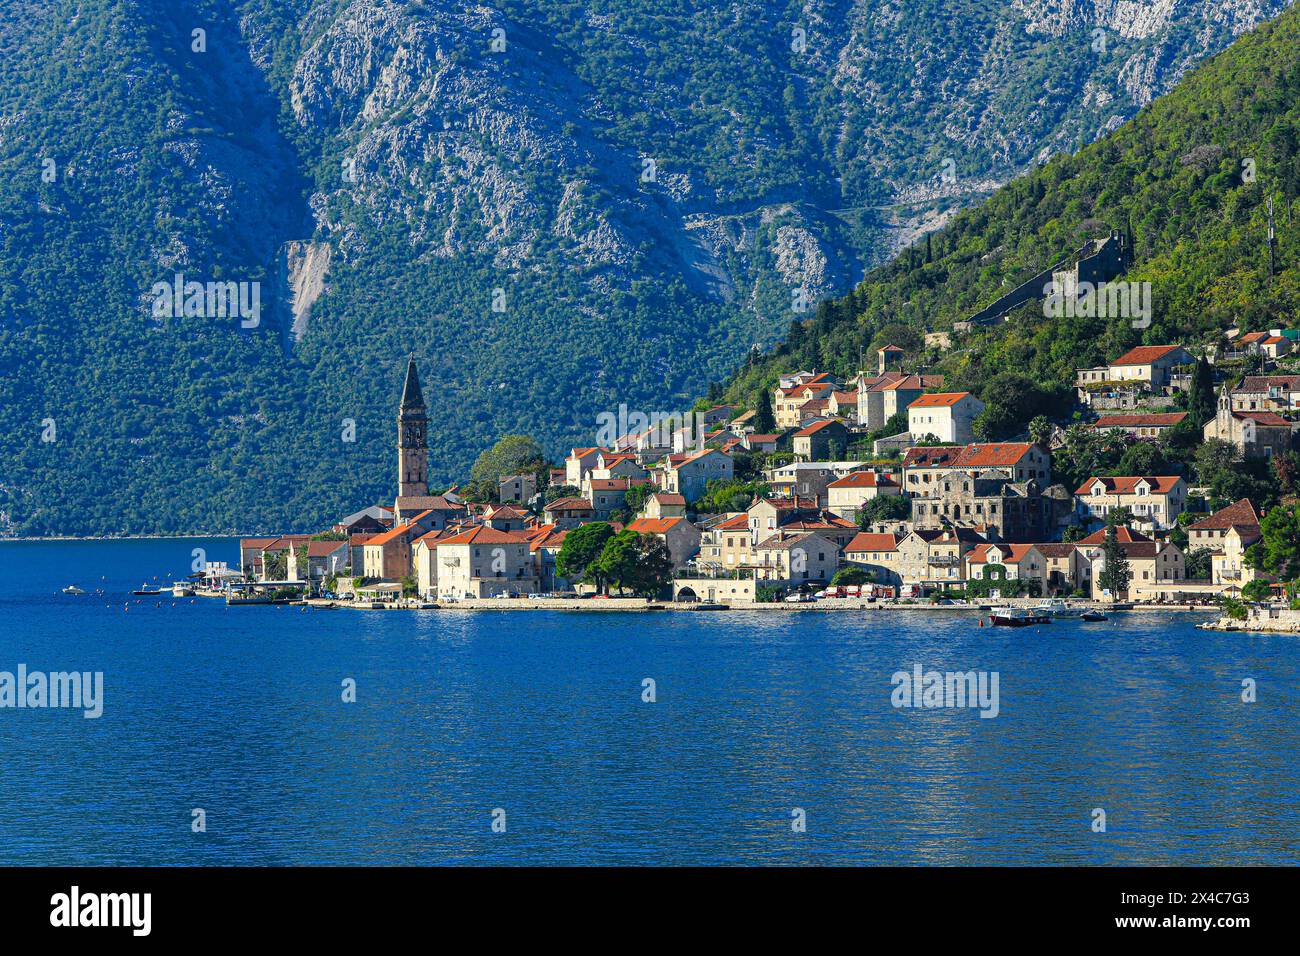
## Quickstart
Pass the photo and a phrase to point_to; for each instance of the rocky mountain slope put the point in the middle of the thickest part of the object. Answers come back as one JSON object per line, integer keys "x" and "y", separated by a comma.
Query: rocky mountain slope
{"x": 558, "y": 206}
{"x": 1196, "y": 183}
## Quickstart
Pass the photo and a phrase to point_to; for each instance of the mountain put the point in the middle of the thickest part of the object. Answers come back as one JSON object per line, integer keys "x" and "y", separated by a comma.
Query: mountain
{"x": 1189, "y": 180}
{"x": 557, "y": 206}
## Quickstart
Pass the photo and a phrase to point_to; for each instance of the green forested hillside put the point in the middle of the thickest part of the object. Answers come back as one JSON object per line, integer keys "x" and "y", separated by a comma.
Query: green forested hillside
{"x": 791, "y": 144}
{"x": 1189, "y": 178}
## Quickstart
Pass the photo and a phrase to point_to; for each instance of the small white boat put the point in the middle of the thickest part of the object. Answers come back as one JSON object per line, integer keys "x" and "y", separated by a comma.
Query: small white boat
{"x": 1055, "y": 607}
{"x": 73, "y": 589}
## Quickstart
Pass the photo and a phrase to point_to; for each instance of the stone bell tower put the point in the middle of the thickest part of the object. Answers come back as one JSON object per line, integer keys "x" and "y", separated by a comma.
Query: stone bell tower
{"x": 412, "y": 438}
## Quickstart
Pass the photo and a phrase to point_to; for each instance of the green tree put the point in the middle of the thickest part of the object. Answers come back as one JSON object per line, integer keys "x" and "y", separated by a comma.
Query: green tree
{"x": 1278, "y": 550}
{"x": 1201, "y": 403}
{"x": 850, "y": 575}
{"x": 884, "y": 508}
{"x": 1257, "y": 589}
{"x": 1040, "y": 430}
{"x": 895, "y": 425}
{"x": 636, "y": 497}
{"x": 577, "y": 557}
{"x": 764, "y": 421}
{"x": 511, "y": 455}
{"x": 1116, "y": 574}
{"x": 1119, "y": 517}
{"x": 1143, "y": 458}
{"x": 1011, "y": 400}
{"x": 1074, "y": 532}
{"x": 556, "y": 492}
{"x": 275, "y": 565}
{"x": 1199, "y": 564}
{"x": 1214, "y": 460}
{"x": 635, "y": 562}
{"x": 1085, "y": 453}
{"x": 1286, "y": 472}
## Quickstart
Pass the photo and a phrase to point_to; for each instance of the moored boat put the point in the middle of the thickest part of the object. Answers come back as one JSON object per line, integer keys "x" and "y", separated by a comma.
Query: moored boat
{"x": 1055, "y": 607}
{"x": 1018, "y": 617}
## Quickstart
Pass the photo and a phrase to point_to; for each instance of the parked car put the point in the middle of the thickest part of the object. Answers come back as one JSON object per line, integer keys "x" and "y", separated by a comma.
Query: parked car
{"x": 799, "y": 599}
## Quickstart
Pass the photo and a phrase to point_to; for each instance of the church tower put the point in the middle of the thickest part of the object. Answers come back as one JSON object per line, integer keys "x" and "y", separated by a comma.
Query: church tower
{"x": 412, "y": 438}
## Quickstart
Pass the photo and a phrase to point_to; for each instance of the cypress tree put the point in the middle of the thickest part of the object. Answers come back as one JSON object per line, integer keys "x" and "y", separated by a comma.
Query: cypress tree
{"x": 1115, "y": 576}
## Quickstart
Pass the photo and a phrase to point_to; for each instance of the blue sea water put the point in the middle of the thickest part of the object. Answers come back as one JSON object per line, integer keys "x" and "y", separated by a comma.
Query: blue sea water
{"x": 239, "y": 711}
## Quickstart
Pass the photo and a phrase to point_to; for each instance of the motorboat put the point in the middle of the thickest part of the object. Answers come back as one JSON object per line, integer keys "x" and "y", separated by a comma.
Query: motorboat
{"x": 1018, "y": 617}
{"x": 1055, "y": 607}
{"x": 73, "y": 589}
{"x": 1093, "y": 616}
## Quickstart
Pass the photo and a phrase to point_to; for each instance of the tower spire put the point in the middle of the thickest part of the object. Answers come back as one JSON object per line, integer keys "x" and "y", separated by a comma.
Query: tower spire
{"x": 412, "y": 397}
{"x": 412, "y": 437}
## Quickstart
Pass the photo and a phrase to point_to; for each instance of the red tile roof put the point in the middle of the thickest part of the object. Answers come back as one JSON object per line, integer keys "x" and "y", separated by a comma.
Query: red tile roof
{"x": 1160, "y": 420}
{"x": 610, "y": 484}
{"x": 1123, "y": 534}
{"x": 669, "y": 498}
{"x": 1239, "y": 514}
{"x": 1262, "y": 383}
{"x": 867, "y": 541}
{"x": 864, "y": 479}
{"x": 815, "y": 427}
{"x": 392, "y": 534}
{"x": 912, "y": 383}
{"x": 427, "y": 503}
{"x": 319, "y": 549}
{"x": 987, "y": 455}
{"x": 1055, "y": 550}
{"x": 1013, "y": 553}
{"x": 1127, "y": 485}
{"x": 1264, "y": 418}
{"x": 686, "y": 460}
{"x": 485, "y": 535}
{"x": 939, "y": 400}
{"x": 654, "y": 525}
{"x": 568, "y": 504}
{"x": 783, "y": 504}
{"x": 1144, "y": 354}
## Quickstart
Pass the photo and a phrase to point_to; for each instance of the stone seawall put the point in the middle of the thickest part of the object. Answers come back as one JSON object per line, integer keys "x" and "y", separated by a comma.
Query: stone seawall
{"x": 1271, "y": 620}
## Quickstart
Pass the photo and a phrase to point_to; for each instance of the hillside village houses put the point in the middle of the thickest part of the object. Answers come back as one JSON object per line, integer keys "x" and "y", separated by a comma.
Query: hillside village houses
{"x": 1155, "y": 501}
{"x": 944, "y": 417}
{"x": 975, "y": 511}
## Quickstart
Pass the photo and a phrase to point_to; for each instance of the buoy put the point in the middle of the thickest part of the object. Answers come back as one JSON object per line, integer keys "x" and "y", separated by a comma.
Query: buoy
{"x": 981, "y": 622}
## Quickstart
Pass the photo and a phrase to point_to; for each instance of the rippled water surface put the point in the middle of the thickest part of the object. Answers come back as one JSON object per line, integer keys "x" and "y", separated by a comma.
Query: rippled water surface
{"x": 239, "y": 712}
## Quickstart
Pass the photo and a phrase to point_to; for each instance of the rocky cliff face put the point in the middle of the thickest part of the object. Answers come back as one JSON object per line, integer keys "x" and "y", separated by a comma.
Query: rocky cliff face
{"x": 477, "y": 131}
